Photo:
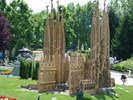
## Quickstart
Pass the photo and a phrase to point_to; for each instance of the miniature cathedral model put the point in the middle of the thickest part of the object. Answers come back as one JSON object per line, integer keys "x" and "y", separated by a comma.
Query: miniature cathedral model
{"x": 88, "y": 75}
{"x": 100, "y": 43}
{"x": 52, "y": 63}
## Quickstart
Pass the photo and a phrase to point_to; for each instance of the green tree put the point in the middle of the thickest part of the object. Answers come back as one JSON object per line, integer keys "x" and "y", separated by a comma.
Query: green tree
{"x": 19, "y": 45}
{"x": 122, "y": 44}
{"x": 38, "y": 20}
{"x": 19, "y": 14}
{"x": 68, "y": 24}
{"x": 77, "y": 23}
{"x": 2, "y": 5}
{"x": 82, "y": 23}
{"x": 114, "y": 20}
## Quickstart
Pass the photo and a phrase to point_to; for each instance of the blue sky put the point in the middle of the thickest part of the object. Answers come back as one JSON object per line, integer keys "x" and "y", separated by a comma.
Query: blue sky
{"x": 39, "y": 5}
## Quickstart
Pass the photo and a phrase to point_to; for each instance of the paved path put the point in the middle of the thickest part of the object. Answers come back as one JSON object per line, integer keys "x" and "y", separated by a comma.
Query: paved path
{"x": 117, "y": 76}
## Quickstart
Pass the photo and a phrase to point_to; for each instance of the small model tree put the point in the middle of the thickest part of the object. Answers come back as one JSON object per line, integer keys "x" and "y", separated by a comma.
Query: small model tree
{"x": 5, "y": 37}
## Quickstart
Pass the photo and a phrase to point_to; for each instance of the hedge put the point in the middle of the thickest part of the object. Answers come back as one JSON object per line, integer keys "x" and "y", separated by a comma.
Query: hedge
{"x": 28, "y": 71}
{"x": 35, "y": 70}
{"x": 124, "y": 65}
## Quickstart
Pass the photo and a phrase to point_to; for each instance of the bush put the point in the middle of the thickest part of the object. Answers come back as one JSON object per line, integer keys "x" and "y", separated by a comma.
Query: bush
{"x": 132, "y": 56}
{"x": 35, "y": 70}
{"x": 24, "y": 69}
{"x": 87, "y": 97}
{"x": 124, "y": 65}
{"x": 21, "y": 69}
{"x": 27, "y": 70}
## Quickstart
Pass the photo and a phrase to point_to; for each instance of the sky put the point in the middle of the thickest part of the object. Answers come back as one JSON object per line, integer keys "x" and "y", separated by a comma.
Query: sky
{"x": 39, "y": 5}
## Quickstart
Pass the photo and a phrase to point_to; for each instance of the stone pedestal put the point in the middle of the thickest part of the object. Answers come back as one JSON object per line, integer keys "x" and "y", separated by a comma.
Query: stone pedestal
{"x": 16, "y": 68}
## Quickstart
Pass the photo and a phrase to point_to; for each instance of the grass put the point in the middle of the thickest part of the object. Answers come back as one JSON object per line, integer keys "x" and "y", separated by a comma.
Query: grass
{"x": 122, "y": 94}
{"x": 9, "y": 86}
{"x": 6, "y": 69}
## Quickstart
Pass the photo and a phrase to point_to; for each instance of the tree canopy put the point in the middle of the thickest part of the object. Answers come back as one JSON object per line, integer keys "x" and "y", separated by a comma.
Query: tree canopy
{"x": 29, "y": 27}
{"x": 5, "y": 37}
{"x": 122, "y": 43}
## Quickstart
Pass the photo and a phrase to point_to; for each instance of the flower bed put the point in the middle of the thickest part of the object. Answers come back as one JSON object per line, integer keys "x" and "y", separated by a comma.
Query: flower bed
{"x": 9, "y": 72}
{"x": 6, "y": 98}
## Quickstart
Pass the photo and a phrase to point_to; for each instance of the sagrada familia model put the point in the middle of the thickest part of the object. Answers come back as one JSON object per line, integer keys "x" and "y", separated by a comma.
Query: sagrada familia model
{"x": 88, "y": 75}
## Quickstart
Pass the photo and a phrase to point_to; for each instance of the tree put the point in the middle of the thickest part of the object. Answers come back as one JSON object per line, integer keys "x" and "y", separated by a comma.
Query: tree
{"x": 122, "y": 44}
{"x": 5, "y": 37}
{"x": 82, "y": 23}
{"x": 19, "y": 14}
{"x": 38, "y": 21}
{"x": 77, "y": 24}
{"x": 113, "y": 22}
{"x": 68, "y": 25}
{"x": 2, "y": 5}
{"x": 19, "y": 45}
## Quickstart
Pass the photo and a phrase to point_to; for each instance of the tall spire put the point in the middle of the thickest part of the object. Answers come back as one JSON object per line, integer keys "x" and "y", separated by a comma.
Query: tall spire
{"x": 98, "y": 3}
{"x": 104, "y": 4}
{"x": 58, "y": 5}
{"x": 47, "y": 9}
{"x": 51, "y": 5}
{"x": 62, "y": 13}
{"x": 108, "y": 9}
{"x": 47, "y": 35}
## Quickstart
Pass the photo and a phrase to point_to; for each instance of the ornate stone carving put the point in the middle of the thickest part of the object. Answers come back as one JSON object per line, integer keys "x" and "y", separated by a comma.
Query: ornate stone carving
{"x": 52, "y": 63}
{"x": 89, "y": 75}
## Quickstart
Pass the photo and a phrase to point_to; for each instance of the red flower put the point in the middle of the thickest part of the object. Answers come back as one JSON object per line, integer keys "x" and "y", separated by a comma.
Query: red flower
{"x": 4, "y": 97}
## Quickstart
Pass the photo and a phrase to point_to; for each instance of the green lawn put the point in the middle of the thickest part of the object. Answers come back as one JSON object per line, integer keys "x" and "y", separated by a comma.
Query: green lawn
{"x": 6, "y": 69}
{"x": 123, "y": 93}
{"x": 9, "y": 86}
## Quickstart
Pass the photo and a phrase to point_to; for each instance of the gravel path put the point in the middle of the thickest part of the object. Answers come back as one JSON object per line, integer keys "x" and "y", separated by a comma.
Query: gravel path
{"x": 117, "y": 76}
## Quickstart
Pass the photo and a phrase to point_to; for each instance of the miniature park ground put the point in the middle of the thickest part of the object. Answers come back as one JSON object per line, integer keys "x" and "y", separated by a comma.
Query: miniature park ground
{"x": 9, "y": 87}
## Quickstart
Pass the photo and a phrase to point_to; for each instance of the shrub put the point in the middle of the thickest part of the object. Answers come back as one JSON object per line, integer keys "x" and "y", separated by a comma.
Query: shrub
{"x": 87, "y": 97}
{"x": 27, "y": 70}
{"x": 132, "y": 55}
{"x": 35, "y": 70}
{"x": 21, "y": 73}
{"x": 124, "y": 65}
{"x": 24, "y": 69}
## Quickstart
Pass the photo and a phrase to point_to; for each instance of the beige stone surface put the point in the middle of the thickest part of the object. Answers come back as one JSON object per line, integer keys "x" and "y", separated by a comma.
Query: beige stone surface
{"x": 56, "y": 69}
{"x": 52, "y": 69}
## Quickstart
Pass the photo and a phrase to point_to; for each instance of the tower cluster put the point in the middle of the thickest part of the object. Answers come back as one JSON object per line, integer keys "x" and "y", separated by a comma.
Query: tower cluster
{"x": 52, "y": 69}
{"x": 88, "y": 75}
